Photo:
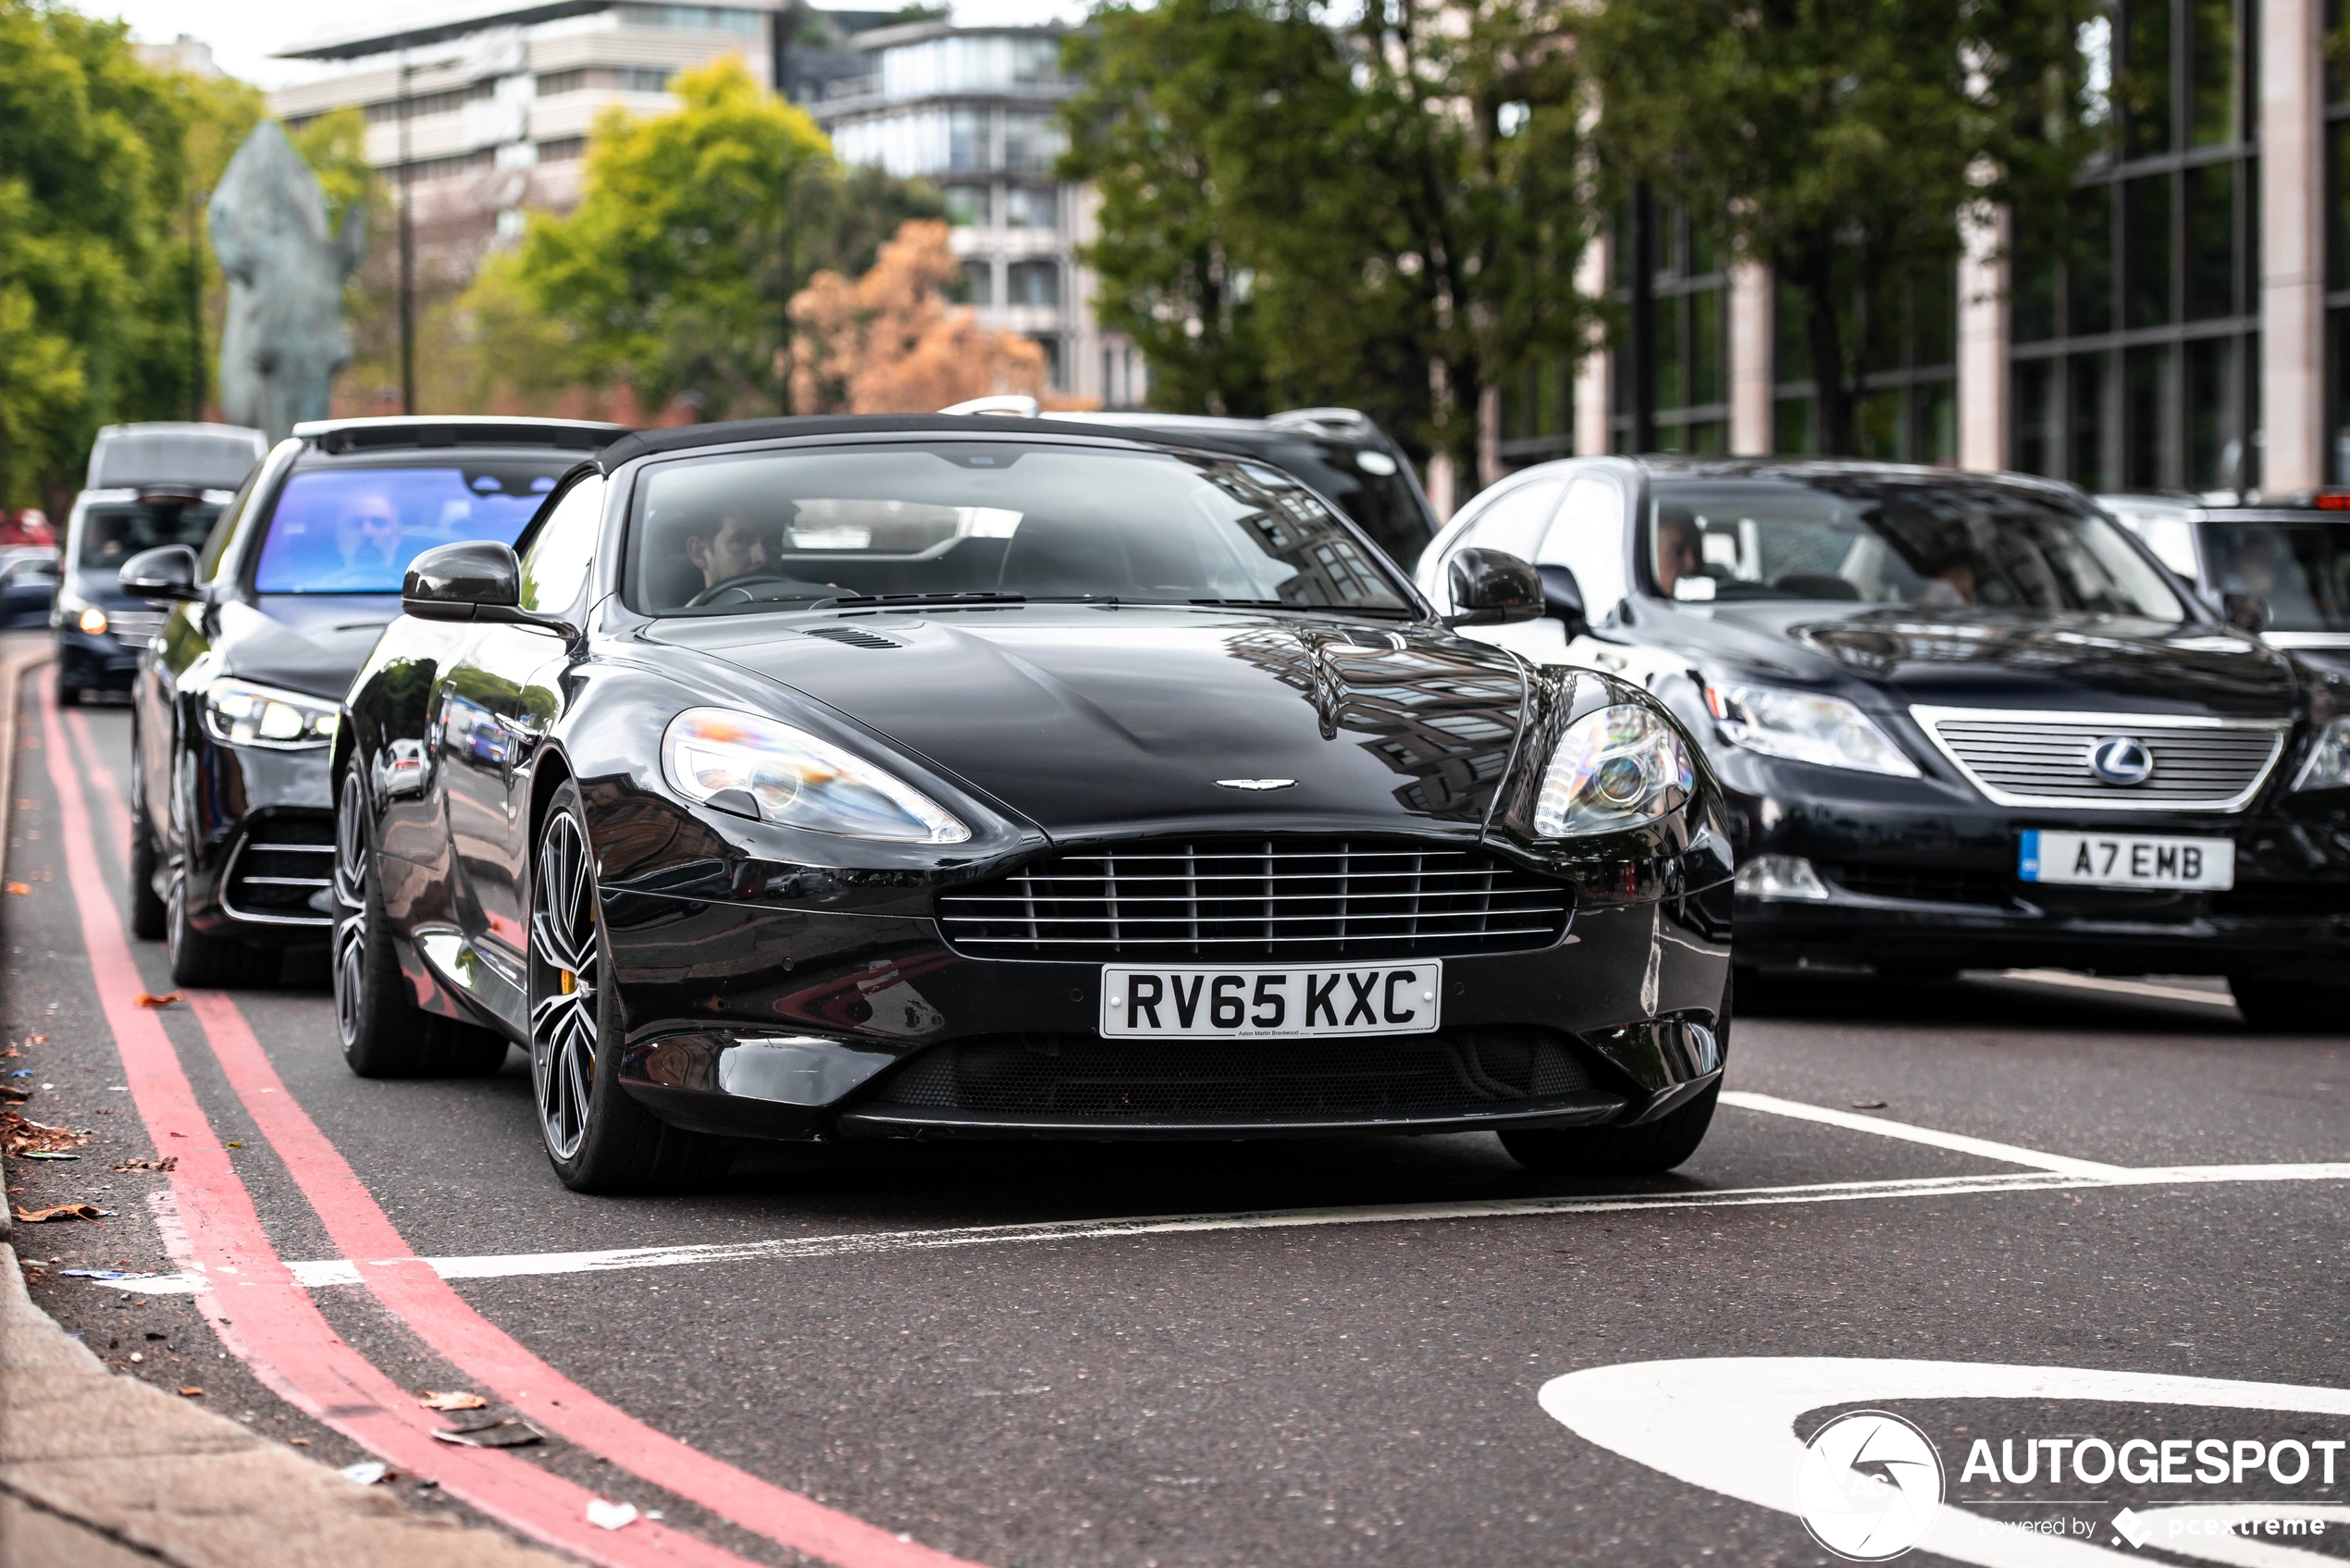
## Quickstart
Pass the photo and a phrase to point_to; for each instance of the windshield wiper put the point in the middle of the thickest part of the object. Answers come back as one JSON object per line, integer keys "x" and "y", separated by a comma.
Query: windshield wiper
{"x": 1303, "y": 609}
{"x": 973, "y": 598}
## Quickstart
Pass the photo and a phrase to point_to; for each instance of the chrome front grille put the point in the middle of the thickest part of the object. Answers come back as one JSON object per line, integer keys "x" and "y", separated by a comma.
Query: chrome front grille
{"x": 2019, "y": 758}
{"x": 1229, "y": 899}
{"x": 132, "y": 629}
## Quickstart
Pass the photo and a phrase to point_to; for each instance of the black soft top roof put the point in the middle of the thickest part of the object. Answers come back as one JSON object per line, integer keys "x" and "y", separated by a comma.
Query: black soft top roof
{"x": 733, "y": 432}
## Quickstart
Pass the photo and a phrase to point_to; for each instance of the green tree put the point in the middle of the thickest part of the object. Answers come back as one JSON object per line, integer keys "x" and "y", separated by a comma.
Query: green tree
{"x": 693, "y": 232}
{"x": 1379, "y": 206}
{"x": 1840, "y": 140}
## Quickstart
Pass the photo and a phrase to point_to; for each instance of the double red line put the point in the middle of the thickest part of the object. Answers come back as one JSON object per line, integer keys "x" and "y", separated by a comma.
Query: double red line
{"x": 270, "y": 1322}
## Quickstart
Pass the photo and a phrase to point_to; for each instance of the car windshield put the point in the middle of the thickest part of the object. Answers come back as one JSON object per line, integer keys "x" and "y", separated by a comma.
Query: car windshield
{"x": 112, "y": 532}
{"x": 2301, "y": 570}
{"x": 351, "y": 530}
{"x": 1932, "y": 543}
{"x": 936, "y": 521}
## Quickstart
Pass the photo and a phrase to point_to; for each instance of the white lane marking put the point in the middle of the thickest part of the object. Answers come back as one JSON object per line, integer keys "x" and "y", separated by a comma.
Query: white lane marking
{"x": 1958, "y": 1143}
{"x": 2120, "y": 987}
{"x": 1727, "y": 1424}
{"x": 505, "y": 1265}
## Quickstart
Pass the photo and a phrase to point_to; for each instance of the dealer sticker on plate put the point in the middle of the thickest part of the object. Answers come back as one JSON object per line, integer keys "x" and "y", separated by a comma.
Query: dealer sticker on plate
{"x": 2121, "y": 860}
{"x": 1263, "y": 1001}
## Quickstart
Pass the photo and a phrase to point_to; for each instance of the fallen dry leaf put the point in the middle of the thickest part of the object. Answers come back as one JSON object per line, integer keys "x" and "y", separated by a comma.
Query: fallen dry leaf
{"x": 165, "y": 1000}
{"x": 20, "y": 1135}
{"x": 299, "y": 1442}
{"x": 169, "y": 1162}
{"x": 18, "y": 887}
{"x": 192, "y": 1392}
{"x": 36, "y": 1040}
{"x": 63, "y": 1211}
{"x": 457, "y": 1398}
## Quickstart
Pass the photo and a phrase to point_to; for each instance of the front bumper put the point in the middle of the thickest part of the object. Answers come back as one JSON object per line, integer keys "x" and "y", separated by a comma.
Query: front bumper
{"x": 776, "y": 1023}
{"x": 257, "y": 841}
{"x": 1929, "y": 882}
{"x": 99, "y": 662}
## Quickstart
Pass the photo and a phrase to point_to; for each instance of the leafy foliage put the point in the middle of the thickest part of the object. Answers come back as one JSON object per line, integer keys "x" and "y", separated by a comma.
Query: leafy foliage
{"x": 1305, "y": 203}
{"x": 694, "y": 230}
{"x": 1839, "y": 140}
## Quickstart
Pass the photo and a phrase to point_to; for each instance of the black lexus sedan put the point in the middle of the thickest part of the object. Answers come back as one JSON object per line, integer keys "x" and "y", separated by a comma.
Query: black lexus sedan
{"x": 1962, "y": 721}
{"x": 234, "y": 704}
{"x": 926, "y": 776}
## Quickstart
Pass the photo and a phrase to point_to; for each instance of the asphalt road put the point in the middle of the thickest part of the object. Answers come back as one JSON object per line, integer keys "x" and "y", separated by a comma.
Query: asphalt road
{"x": 1348, "y": 1367}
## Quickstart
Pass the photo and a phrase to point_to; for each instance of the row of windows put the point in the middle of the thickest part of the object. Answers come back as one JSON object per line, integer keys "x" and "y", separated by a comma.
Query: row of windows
{"x": 969, "y": 64}
{"x": 692, "y": 19}
{"x": 1025, "y": 282}
{"x": 1021, "y": 206}
{"x": 606, "y": 78}
{"x": 935, "y": 142}
{"x": 423, "y": 104}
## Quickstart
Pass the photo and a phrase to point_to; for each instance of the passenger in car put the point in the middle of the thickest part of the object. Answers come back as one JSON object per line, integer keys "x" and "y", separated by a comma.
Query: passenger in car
{"x": 1678, "y": 553}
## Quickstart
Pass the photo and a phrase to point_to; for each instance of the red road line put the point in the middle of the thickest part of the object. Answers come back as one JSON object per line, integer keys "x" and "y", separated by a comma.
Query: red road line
{"x": 451, "y": 1325}
{"x": 245, "y": 1291}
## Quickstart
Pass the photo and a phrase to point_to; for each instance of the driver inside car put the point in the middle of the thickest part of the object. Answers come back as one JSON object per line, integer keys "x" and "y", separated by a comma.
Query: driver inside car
{"x": 732, "y": 547}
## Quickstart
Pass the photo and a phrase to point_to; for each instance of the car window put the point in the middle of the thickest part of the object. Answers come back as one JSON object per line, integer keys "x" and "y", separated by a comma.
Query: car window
{"x": 1514, "y": 522}
{"x": 112, "y": 532}
{"x": 354, "y": 530}
{"x": 1936, "y": 543}
{"x": 723, "y": 533}
{"x": 1587, "y": 539}
{"x": 2301, "y": 570}
{"x": 555, "y": 566}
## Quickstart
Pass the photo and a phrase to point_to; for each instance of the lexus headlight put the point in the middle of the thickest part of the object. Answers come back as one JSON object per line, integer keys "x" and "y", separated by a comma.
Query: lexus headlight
{"x": 797, "y": 780}
{"x": 2329, "y": 764}
{"x": 1617, "y": 768}
{"x": 1805, "y": 727}
{"x": 244, "y": 714}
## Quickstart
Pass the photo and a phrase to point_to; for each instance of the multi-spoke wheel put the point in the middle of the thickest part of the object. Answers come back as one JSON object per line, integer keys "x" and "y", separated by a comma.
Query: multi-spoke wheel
{"x": 563, "y": 1006}
{"x": 384, "y": 1033}
{"x": 600, "y": 1139}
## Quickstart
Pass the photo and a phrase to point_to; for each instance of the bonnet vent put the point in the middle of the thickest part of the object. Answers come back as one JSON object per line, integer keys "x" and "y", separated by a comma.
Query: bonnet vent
{"x": 854, "y": 636}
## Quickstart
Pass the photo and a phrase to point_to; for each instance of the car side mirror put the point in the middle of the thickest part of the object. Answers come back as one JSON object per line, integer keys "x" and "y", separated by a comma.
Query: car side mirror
{"x": 1492, "y": 587}
{"x": 1562, "y": 599}
{"x": 167, "y": 571}
{"x": 2246, "y": 611}
{"x": 474, "y": 580}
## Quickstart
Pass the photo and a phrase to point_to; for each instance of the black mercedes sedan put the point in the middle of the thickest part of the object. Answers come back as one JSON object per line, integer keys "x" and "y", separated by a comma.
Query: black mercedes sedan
{"x": 1962, "y": 721}
{"x": 231, "y": 812}
{"x": 925, "y": 776}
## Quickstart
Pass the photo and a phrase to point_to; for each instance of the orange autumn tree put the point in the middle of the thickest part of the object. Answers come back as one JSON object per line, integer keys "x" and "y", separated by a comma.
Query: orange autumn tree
{"x": 892, "y": 343}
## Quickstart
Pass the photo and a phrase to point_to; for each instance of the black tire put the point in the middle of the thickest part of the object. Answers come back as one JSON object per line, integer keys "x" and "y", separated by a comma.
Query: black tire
{"x": 611, "y": 1144}
{"x": 198, "y": 959}
{"x": 383, "y": 1032}
{"x": 148, "y": 910}
{"x": 2283, "y": 1005}
{"x": 68, "y": 697}
{"x": 1645, "y": 1150}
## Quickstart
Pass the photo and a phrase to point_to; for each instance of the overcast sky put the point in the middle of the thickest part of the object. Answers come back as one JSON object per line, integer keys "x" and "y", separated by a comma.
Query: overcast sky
{"x": 243, "y": 33}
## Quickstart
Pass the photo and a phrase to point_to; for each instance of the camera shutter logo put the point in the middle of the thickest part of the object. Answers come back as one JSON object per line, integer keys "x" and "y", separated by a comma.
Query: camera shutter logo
{"x": 2121, "y": 760}
{"x": 1868, "y": 1485}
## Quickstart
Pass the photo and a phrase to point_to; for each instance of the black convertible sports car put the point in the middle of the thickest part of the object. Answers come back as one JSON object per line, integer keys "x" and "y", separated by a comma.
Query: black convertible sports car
{"x": 932, "y": 775}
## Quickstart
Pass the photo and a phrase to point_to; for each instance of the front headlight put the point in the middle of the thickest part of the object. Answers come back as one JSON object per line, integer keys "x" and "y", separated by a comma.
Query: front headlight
{"x": 1617, "y": 768}
{"x": 91, "y": 620}
{"x": 1805, "y": 727}
{"x": 245, "y": 715}
{"x": 2329, "y": 763}
{"x": 797, "y": 780}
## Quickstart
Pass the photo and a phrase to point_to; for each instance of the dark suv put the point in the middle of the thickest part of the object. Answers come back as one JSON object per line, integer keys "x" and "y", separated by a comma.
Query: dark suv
{"x": 232, "y": 814}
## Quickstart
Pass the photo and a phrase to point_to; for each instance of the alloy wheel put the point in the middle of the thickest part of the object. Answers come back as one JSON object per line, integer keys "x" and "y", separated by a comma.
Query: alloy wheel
{"x": 351, "y": 910}
{"x": 565, "y": 968}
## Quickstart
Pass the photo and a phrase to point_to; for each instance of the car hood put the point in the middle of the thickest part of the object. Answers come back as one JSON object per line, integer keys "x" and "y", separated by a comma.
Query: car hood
{"x": 304, "y": 642}
{"x": 1096, "y": 720}
{"x": 1973, "y": 658}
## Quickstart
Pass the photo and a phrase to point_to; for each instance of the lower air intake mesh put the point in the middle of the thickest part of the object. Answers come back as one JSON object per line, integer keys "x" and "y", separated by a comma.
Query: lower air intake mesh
{"x": 1450, "y": 1072}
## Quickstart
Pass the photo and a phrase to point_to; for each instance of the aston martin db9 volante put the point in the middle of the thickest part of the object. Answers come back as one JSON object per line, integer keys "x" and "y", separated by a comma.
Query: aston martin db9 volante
{"x": 231, "y": 811}
{"x": 931, "y": 777}
{"x": 1962, "y": 721}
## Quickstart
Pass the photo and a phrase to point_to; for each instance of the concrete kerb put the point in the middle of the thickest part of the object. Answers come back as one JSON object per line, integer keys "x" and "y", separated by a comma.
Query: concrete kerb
{"x": 108, "y": 1472}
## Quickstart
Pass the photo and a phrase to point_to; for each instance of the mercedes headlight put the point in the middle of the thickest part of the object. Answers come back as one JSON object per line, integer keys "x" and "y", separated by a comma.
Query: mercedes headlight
{"x": 2329, "y": 763}
{"x": 91, "y": 620}
{"x": 797, "y": 780}
{"x": 245, "y": 715}
{"x": 1805, "y": 727}
{"x": 1615, "y": 768}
